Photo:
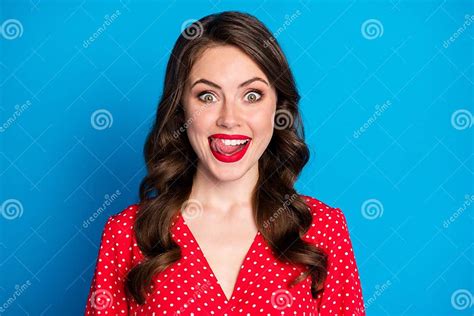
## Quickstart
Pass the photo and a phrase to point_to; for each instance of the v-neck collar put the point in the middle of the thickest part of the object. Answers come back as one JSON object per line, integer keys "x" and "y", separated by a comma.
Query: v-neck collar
{"x": 183, "y": 223}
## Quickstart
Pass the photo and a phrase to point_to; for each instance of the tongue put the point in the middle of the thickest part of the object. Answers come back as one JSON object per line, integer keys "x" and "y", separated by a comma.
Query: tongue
{"x": 226, "y": 149}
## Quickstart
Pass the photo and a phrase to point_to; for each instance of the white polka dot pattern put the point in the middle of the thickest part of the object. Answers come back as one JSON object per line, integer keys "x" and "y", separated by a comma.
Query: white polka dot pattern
{"x": 189, "y": 286}
{"x": 342, "y": 290}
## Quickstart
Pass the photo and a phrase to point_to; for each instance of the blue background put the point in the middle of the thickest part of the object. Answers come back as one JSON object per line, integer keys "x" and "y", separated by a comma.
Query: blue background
{"x": 415, "y": 159}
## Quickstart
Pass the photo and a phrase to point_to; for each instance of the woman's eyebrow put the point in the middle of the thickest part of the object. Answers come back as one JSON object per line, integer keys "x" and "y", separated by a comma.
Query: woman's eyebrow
{"x": 247, "y": 82}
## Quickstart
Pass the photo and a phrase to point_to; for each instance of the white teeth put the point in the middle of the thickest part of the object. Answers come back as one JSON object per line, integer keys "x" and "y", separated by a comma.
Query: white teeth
{"x": 233, "y": 142}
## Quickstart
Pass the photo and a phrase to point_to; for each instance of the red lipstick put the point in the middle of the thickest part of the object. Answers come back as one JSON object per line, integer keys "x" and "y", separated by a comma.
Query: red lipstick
{"x": 219, "y": 148}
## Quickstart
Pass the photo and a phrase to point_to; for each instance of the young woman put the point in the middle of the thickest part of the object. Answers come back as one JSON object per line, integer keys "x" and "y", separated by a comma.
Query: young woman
{"x": 219, "y": 228}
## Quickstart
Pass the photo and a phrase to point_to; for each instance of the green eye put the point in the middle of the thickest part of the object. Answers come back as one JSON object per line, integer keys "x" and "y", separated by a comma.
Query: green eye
{"x": 253, "y": 96}
{"x": 207, "y": 97}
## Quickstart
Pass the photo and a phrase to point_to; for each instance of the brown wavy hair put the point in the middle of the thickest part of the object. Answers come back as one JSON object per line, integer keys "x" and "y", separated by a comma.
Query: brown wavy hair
{"x": 171, "y": 162}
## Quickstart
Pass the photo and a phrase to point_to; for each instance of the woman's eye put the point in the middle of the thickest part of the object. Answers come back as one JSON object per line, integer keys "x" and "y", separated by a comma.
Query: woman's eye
{"x": 253, "y": 96}
{"x": 207, "y": 97}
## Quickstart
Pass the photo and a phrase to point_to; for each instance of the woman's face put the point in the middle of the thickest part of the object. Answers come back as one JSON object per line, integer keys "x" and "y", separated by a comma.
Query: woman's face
{"x": 227, "y": 97}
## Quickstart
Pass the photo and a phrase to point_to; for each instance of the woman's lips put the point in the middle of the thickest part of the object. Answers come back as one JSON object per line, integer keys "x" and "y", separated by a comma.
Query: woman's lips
{"x": 239, "y": 152}
{"x": 227, "y": 147}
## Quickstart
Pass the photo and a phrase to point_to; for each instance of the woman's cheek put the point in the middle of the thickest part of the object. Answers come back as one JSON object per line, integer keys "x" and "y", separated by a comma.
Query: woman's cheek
{"x": 263, "y": 122}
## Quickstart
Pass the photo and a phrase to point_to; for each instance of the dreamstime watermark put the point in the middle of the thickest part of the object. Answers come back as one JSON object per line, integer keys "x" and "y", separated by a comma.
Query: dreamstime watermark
{"x": 289, "y": 19}
{"x": 191, "y": 209}
{"x": 372, "y": 209}
{"x": 101, "y": 299}
{"x": 109, "y": 199}
{"x": 371, "y": 29}
{"x": 108, "y": 20}
{"x": 283, "y": 119}
{"x": 468, "y": 20}
{"x": 281, "y": 299}
{"x": 379, "y": 110}
{"x": 462, "y": 119}
{"x": 191, "y": 29}
{"x": 11, "y": 209}
{"x": 462, "y": 299}
{"x": 284, "y": 208}
{"x": 19, "y": 110}
{"x": 379, "y": 290}
{"x": 196, "y": 294}
{"x": 19, "y": 290}
{"x": 102, "y": 119}
{"x": 468, "y": 200}
{"x": 11, "y": 29}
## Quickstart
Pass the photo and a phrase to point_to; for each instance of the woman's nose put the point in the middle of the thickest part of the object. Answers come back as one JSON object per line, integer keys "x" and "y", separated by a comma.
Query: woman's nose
{"x": 228, "y": 115}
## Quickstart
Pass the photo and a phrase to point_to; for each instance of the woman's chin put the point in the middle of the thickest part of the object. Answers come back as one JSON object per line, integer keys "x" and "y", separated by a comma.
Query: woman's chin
{"x": 228, "y": 171}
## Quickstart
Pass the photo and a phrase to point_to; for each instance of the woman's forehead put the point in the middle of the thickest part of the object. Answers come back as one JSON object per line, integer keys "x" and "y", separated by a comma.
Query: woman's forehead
{"x": 227, "y": 65}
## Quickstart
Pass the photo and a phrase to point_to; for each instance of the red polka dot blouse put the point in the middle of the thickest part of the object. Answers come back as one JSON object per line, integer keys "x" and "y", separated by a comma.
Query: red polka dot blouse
{"x": 189, "y": 287}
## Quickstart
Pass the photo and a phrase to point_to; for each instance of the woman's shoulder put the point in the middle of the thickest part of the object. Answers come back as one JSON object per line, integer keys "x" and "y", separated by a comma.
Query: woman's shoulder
{"x": 329, "y": 232}
{"x": 126, "y": 215}
{"x": 124, "y": 218}
{"x": 119, "y": 226}
{"x": 320, "y": 209}
{"x": 328, "y": 223}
